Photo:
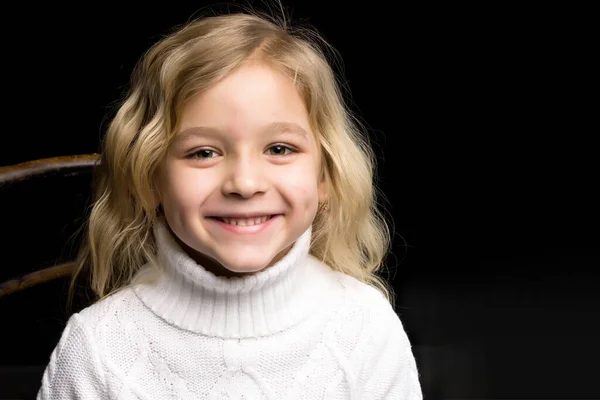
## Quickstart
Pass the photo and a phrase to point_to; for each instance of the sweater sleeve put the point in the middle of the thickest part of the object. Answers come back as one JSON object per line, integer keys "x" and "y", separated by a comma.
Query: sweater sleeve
{"x": 390, "y": 370}
{"x": 74, "y": 370}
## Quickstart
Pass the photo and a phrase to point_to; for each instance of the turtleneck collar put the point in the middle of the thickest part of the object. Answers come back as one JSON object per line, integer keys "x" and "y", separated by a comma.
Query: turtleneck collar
{"x": 186, "y": 295}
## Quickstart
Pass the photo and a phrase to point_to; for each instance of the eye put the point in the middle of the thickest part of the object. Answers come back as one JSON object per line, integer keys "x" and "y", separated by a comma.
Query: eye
{"x": 280, "y": 150}
{"x": 202, "y": 154}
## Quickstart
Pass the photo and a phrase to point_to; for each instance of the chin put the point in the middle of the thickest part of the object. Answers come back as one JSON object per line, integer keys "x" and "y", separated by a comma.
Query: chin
{"x": 247, "y": 267}
{"x": 245, "y": 271}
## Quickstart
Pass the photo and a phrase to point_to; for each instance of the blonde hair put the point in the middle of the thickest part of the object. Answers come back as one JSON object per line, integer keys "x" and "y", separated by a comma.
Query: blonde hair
{"x": 352, "y": 237}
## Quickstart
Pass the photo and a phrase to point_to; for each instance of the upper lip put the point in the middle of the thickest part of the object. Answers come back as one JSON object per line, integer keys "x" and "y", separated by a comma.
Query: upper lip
{"x": 244, "y": 215}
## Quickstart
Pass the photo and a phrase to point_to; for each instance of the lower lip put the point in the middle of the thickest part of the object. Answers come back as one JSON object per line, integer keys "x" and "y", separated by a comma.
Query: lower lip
{"x": 248, "y": 229}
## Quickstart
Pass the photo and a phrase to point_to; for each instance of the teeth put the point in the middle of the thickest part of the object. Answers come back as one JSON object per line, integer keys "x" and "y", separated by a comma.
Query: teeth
{"x": 246, "y": 222}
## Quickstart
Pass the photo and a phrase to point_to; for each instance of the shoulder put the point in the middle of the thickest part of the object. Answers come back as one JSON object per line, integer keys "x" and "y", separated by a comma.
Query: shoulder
{"x": 384, "y": 350}
{"x": 371, "y": 310}
{"x": 359, "y": 305}
{"x": 348, "y": 287}
{"x": 81, "y": 328}
{"x": 366, "y": 297}
{"x": 361, "y": 291}
{"x": 106, "y": 308}
{"x": 113, "y": 318}
{"x": 76, "y": 367}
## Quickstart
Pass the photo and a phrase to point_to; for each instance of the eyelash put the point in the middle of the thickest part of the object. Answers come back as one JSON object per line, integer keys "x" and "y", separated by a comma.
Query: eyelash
{"x": 291, "y": 149}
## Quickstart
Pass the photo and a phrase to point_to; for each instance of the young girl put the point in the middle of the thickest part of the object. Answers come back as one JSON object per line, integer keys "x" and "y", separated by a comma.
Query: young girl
{"x": 234, "y": 237}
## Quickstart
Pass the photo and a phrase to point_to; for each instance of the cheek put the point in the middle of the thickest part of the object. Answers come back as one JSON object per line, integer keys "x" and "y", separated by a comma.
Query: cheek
{"x": 300, "y": 186}
{"x": 184, "y": 189}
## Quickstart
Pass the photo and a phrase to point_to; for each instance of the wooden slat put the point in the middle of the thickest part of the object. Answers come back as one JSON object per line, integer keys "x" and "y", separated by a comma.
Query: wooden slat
{"x": 37, "y": 277}
{"x": 66, "y": 165}
{"x": 22, "y": 171}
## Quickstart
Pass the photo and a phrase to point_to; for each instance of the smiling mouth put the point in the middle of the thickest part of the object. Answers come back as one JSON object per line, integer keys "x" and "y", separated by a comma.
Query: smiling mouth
{"x": 245, "y": 221}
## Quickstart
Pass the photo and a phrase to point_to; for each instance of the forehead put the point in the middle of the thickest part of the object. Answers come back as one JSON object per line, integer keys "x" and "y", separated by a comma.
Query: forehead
{"x": 253, "y": 99}
{"x": 274, "y": 128}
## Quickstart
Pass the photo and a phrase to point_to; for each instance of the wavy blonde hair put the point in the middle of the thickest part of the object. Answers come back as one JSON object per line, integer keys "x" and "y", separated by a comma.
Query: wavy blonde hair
{"x": 352, "y": 237}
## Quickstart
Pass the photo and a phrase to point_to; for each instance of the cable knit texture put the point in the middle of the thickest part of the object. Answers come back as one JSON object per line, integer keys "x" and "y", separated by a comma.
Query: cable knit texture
{"x": 298, "y": 330}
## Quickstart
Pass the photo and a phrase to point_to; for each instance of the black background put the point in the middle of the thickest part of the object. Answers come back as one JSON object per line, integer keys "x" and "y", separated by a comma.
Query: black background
{"x": 484, "y": 120}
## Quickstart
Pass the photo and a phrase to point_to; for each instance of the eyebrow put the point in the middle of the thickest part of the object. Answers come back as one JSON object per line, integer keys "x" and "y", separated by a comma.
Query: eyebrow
{"x": 272, "y": 128}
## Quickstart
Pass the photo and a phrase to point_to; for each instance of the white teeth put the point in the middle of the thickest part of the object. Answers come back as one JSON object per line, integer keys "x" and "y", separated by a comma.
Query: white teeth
{"x": 246, "y": 221}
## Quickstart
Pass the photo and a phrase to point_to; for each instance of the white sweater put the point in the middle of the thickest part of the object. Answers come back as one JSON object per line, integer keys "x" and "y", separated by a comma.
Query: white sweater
{"x": 298, "y": 330}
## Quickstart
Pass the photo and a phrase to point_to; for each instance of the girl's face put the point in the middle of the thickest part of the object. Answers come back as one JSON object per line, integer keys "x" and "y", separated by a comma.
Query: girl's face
{"x": 245, "y": 149}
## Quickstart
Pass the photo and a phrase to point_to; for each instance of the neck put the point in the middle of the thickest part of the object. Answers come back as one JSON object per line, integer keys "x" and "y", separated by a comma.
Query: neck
{"x": 192, "y": 297}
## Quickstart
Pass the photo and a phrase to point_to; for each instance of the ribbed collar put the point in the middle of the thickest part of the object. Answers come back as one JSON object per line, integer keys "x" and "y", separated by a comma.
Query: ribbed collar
{"x": 190, "y": 297}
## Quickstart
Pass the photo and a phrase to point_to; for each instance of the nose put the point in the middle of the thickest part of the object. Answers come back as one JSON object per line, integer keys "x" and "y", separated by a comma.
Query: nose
{"x": 245, "y": 177}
